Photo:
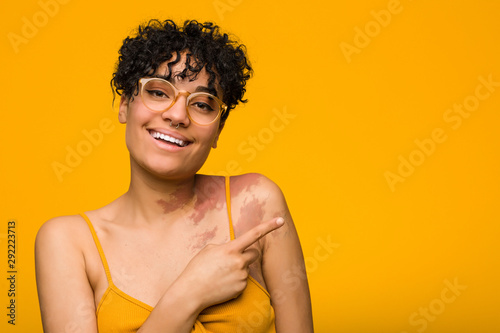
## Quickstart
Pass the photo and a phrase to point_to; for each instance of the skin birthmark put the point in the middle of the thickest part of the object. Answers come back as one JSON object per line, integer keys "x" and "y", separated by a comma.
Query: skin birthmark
{"x": 239, "y": 185}
{"x": 203, "y": 238}
{"x": 252, "y": 213}
{"x": 209, "y": 196}
{"x": 167, "y": 206}
{"x": 177, "y": 200}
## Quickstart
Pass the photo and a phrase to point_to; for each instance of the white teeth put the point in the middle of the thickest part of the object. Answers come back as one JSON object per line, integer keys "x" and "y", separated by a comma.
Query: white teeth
{"x": 164, "y": 137}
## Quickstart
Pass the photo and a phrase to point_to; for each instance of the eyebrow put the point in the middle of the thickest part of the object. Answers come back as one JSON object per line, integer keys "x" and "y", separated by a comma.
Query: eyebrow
{"x": 206, "y": 89}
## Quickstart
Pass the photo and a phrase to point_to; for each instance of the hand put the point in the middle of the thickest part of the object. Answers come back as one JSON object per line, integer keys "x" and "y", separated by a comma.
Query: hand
{"x": 219, "y": 272}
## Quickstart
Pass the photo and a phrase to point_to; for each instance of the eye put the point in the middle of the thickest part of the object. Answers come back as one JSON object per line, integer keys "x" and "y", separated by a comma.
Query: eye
{"x": 157, "y": 93}
{"x": 201, "y": 106}
{"x": 203, "y": 103}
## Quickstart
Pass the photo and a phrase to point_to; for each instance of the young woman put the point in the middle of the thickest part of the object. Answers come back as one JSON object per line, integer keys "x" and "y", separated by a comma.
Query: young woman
{"x": 179, "y": 251}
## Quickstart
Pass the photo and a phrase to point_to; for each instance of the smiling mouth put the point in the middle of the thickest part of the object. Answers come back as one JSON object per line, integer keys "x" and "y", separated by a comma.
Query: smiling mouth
{"x": 169, "y": 139}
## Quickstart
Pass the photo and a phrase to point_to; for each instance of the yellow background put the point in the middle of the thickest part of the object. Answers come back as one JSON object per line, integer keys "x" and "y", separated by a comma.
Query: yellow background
{"x": 355, "y": 117}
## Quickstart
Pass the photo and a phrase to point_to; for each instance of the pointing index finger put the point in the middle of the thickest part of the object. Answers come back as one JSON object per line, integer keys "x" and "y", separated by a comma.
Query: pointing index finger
{"x": 256, "y": 233}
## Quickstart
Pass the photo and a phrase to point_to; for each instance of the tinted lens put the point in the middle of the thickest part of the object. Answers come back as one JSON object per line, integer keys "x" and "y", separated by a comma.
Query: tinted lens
{"x": 158, "y": 95}
{"x": 203, "y": 108}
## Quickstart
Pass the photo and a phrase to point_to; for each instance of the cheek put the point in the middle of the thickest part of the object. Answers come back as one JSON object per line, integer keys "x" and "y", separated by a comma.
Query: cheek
{"x": 128, "y": 136}
{"x": 135, "y": 132}
{"x": 207, "y": 137}
{"x": 131, "y": 132}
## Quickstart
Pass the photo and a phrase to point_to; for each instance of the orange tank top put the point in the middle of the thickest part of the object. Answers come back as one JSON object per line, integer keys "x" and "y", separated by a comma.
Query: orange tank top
{"x": 249, "y": 312}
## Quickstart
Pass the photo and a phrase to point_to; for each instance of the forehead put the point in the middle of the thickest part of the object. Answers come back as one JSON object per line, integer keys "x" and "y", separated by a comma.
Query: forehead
{"x": 175, "y": 70}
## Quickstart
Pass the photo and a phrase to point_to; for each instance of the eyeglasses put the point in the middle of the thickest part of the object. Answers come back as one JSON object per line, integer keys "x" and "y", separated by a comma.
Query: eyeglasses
{"x": 160, "y": 95}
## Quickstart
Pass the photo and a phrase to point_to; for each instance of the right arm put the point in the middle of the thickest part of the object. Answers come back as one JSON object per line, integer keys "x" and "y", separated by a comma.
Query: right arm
{"x": 65, "y": 295}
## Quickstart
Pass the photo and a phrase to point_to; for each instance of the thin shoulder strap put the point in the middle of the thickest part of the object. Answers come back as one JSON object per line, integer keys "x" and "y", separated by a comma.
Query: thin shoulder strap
{"x": 99, "y": 248}
{"x": 228, "y": 204}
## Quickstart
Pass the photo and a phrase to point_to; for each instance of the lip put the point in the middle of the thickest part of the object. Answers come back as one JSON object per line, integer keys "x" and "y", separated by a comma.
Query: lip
{"x": 175, "y": 135}
{"x": 168, "y": 146}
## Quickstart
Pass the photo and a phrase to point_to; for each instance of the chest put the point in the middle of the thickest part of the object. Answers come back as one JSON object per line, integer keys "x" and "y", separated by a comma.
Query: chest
{"x": 144, "y": 262}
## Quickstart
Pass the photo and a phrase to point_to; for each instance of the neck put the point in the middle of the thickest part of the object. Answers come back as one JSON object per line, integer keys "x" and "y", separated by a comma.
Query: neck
{"x": 151, "y": 199}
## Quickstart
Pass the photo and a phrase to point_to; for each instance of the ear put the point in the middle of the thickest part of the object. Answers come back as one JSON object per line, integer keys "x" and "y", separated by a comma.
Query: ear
{"x": 123, "y": 110}
{"x": 221, "y": 126}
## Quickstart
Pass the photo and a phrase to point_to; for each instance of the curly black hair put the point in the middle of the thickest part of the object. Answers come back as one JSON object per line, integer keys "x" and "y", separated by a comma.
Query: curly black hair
{"x": 156, "y": 42}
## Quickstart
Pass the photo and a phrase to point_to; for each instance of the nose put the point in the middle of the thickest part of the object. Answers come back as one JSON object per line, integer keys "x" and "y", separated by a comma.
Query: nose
{"x": 177, "y": 113}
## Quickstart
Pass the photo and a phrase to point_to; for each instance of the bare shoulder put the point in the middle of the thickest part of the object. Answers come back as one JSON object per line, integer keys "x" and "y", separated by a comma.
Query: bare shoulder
{"x": 59, "y": 250}
{"x": 61, "y": 225}
{"x": 255, "y": 184}
{"x": 61, "y": 231}
{"x": 256, "y": 199}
